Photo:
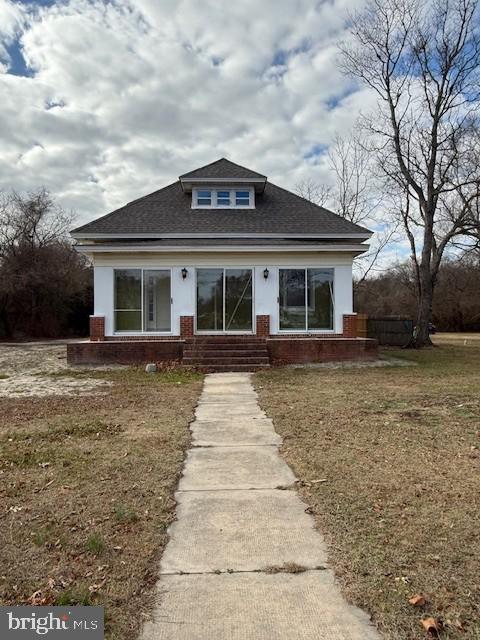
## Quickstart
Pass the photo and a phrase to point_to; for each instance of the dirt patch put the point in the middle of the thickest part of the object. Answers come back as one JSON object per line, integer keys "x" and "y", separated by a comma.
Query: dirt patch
{"x": 385, "y": 361}
{"x": 86, "y": 488}
{"x": 389, "y": 461}
{"x": 29, "y": 369}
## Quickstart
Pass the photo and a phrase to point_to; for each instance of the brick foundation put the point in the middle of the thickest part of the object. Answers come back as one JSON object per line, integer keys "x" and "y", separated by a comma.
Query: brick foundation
{"x": 97, "y": 328}
{"x": 123, "y": 352}
{"x": 350, "y": 325}
{"x": 186, "y": 326}
{"x": 281, "y": 350}
{"x": 302, "y": 350}
{"x": 263, "y": 326}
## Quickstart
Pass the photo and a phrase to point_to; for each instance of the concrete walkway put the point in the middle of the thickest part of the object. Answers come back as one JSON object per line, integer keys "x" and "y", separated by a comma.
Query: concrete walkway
{"x": 236, "y": 523}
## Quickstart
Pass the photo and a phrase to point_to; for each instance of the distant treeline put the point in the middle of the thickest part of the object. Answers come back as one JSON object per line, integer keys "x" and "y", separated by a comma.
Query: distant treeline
{"x": 45, "y": 284}
{"x": 456, "y": 304}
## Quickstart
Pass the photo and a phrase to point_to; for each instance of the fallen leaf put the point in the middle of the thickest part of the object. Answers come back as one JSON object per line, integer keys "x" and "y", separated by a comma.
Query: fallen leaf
{"x": 418, "y": 600}
{"x": 432, "y": 626}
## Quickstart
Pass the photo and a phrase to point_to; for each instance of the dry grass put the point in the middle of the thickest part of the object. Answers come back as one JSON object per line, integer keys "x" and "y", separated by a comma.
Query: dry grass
{"x": 86, "y": 486}
{"x": 390, "y": 463}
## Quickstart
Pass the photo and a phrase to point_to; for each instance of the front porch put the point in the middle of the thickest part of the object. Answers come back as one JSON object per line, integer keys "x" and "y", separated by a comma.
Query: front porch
{"x": 222, "y": 352}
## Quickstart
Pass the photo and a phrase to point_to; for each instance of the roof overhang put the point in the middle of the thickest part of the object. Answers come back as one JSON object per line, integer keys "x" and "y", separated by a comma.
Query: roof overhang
{"x": 89, "y": 249}
{"x": 158, "y": 236}
{"x": 257, "y": 183}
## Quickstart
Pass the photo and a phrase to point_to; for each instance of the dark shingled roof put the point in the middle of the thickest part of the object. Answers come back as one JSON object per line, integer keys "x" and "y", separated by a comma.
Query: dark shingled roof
{"x": 169, "y": 212}
{"x": 222, "y": 168}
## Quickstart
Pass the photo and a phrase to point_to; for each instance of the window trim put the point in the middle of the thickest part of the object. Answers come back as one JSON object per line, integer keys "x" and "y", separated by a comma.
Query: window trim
{"x": 214, "y": 197}
{"x": 307, "y": 331}
{"x": 142, "y": 331}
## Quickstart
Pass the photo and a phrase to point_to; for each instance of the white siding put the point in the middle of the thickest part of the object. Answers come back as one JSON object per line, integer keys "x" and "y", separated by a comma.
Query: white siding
{"x": 183, "y": 291}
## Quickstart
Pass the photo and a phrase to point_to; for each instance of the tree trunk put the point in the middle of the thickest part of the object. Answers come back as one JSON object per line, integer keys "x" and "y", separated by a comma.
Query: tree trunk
{"x": 424, "y": 312}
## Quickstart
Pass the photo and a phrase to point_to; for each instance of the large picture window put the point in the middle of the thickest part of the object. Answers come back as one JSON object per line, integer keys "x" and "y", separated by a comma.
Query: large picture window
{"x": 306, "y": 299}
{"x": 224, "y": 300}
{"x": 142, "y": 300}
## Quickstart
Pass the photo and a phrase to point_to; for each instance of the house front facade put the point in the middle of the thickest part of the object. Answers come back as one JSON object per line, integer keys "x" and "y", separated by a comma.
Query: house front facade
{"x": 222, "y": 269}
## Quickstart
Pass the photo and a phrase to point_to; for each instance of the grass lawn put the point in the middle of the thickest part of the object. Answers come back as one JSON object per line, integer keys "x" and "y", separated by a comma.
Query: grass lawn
{"x": 389, "y": 460}
{"x": 86, "y": 492}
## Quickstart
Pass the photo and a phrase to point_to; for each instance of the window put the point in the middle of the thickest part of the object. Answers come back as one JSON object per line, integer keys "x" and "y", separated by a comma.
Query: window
{"x": 224, "y": 299}
{"x": 306, "y": 299}
{"x": 128, "y": 300}
{"x": 204, "y": 198}
{"x": 242, "y": 198}
{"x": 156, "y": 296}
{"x": 133, "y": 314}
{"x": 223, "y": 198}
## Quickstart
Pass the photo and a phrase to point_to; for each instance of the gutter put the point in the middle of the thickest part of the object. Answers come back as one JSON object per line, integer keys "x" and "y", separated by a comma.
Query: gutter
{"x": 142, "y": 248}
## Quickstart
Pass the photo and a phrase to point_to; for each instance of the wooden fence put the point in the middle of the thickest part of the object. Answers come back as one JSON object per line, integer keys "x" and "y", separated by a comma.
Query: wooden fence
{"x": 395, "y": 331}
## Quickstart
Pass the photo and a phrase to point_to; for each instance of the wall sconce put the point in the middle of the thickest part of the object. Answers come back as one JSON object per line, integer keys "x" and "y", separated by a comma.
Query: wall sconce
{"x": 184, "y": 273}
{"x": 265, "y": 273}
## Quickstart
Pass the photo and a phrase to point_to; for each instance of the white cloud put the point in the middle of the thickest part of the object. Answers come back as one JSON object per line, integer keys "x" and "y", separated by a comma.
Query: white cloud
{"x": 146, "y": 90}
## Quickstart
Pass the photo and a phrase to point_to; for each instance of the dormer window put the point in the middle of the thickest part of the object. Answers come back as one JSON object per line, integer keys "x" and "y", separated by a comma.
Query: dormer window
{"x": 204, "y": 198}
{"x": 223, "y": 198}
{"x": 242, "y": 198}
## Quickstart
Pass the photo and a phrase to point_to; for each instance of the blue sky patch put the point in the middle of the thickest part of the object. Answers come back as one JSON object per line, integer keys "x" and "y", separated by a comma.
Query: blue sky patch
{"x": 38, "y": 3}
{"x": 315, "y": 151}
{"x": 16, "y": 64}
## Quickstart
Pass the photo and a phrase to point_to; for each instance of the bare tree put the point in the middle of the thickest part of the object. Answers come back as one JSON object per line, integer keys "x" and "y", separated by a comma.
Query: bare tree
{"x": 313, "y": 191}
{"x": 423, "y": 63}
{"x": 31, "y": 220}
{"x": 43, "y": 280}
{"x": 354, "y": 193}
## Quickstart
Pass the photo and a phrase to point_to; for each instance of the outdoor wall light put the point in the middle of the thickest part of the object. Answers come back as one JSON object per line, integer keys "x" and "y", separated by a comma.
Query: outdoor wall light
{"x": 184, "y": 273}
{"x": 265, "y": 273}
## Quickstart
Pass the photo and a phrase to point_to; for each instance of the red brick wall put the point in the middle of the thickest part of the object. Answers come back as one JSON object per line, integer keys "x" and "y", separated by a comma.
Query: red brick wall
{"x": 186, "y": 326}
{"x": 263, "y": 326}
{"x": 281, "y": 350}
{"x": 350, "y": 325}
{"x": 298, "y": 350}
{"x": 134, "y": 352}
{"x": 97, "y": 328}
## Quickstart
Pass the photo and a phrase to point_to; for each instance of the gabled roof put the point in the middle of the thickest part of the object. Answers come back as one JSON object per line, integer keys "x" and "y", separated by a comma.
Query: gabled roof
{"x": 167, "y": 213}
{"x": 222, "y": 168}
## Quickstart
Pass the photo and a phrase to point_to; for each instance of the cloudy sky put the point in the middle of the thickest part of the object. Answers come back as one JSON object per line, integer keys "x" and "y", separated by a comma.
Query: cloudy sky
{"x": 105, "y": 101}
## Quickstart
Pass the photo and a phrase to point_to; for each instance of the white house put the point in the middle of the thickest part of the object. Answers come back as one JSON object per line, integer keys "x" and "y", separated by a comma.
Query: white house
{"x": 222, "y": 258}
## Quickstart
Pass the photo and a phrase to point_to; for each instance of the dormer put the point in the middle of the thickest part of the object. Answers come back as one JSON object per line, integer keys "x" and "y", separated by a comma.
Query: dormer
{"x": 223, "y": 185}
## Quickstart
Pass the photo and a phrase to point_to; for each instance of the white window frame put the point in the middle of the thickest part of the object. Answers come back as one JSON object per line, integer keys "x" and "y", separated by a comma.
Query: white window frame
{"x": 307, "y": 330}
{"x": 142, "y": 331}
{"x": 214, "y": 197}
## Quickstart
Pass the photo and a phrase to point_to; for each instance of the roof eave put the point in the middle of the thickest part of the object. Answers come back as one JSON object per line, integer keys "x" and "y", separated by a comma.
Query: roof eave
{"x": 353, "y": 249}
{"x": 157, "y": 236}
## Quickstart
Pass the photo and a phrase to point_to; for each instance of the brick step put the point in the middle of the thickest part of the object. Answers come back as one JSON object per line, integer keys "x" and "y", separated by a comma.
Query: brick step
{"x": 223, "y": 368}
{"x": 256, "y": 360}
{"x": 225, "y": 353}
